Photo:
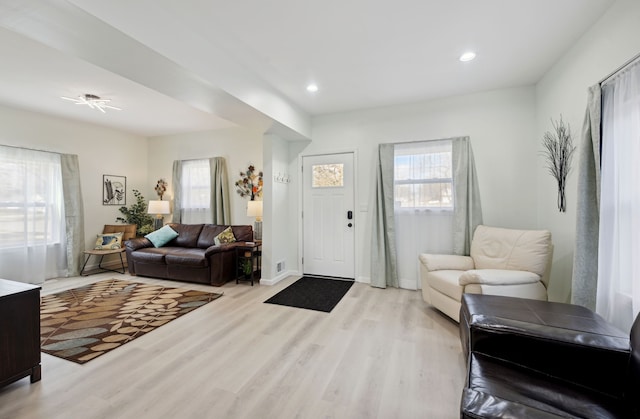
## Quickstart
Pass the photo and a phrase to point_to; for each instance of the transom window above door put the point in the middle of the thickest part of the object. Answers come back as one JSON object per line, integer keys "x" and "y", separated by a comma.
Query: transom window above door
{"x": 327, "y": 175}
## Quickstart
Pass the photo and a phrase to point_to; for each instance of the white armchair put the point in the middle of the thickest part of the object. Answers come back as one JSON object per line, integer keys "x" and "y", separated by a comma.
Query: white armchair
{"x": 503, "y": 261}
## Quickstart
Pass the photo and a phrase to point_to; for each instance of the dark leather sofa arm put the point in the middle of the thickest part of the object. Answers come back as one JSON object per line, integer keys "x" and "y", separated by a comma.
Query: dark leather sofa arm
{"x": 137, "y": 243}
{"x": 133, "y": 245}
{"x": 212, "y": 250}
{"x": 224, "y": 247}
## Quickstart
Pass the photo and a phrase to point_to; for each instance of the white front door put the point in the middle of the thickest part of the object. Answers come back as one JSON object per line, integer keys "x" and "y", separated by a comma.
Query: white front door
{"x": 328, "y": 216}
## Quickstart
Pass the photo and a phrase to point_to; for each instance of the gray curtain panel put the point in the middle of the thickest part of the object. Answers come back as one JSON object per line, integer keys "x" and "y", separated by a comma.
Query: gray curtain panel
{"x": 220, "y": 208}
{"x": 73, "y": 211}
{"x": 467, "y": 213}
{"x": 384, "y": 263}
{"x": 175, "y": 184}
{"x": 584, "y": 282}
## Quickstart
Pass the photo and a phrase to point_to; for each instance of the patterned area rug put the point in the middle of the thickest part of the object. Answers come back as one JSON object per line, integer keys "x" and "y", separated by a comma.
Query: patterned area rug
{"x": 84, "y": 323}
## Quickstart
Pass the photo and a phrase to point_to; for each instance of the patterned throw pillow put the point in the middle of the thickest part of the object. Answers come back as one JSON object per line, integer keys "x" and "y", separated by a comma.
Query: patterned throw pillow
{"x": 225, "y": 237}
{"x": 108, "y": 241}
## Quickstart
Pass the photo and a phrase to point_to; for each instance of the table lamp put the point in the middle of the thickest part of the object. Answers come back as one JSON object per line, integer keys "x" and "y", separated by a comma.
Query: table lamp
{"x": 159, "y": 209}
{"x": 254, "y": 209}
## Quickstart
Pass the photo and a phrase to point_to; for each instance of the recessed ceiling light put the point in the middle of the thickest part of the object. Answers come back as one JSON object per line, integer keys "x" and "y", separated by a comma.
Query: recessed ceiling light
{"x": 92, "y": 101}
{"x": 312, "y": 88}
{"x": 467, "y": 56}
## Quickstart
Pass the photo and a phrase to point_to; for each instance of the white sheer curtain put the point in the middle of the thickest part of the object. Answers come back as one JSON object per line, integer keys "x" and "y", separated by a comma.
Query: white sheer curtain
{"x": 32, "y": 217}
{"x": 195, "y": 193}
{"x": 423, "y": 211}
{"x": 618, "y": 295}
{"x": 420, "y": 231}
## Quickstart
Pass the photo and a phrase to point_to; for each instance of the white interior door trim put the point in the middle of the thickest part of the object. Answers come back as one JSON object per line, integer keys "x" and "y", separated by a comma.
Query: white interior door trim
{"x": 300, "y": 203}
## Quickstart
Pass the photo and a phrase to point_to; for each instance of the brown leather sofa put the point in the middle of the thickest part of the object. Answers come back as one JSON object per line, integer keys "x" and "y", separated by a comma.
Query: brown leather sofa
{"x": 192, "y": 256}
{"x": 538, "y": 359}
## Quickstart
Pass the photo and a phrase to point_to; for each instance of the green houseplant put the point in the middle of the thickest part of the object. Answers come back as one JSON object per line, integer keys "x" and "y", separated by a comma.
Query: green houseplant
{"x": 137, "y": 214}
{"x": 246, "y": 266}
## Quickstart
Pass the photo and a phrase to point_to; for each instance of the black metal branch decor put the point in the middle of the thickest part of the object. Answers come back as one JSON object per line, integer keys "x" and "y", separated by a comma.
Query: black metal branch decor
{"x": 558, "y": 153}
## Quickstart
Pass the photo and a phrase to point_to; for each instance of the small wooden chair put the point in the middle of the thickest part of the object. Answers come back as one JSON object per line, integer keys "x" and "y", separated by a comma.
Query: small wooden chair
{"x": 128, "y": 232}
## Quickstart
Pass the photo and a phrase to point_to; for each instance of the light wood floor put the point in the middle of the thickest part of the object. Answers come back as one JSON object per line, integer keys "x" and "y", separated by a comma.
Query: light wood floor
{"x": 378, "y": 354}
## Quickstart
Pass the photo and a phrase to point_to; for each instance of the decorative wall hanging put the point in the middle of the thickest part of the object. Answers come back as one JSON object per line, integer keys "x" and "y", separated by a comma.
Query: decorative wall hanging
{"x": 161, "y": 187}
{"x": 558, "y": 153}
{"x": 250, "y": 183}
{"x": 114, "y": 190}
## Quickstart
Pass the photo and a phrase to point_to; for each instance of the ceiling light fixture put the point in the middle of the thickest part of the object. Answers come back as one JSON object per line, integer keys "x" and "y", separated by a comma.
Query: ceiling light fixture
{"x": 92, "y": 101}
{"x": 467, "y": 56}
{"x": 312, "y": 88}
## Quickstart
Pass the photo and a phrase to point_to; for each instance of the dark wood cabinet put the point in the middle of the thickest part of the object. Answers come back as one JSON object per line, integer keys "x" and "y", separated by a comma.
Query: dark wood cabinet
{"x": 19, "y": 331}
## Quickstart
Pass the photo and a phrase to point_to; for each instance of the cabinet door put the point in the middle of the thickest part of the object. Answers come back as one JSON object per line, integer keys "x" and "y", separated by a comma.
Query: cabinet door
{"x": 20, "y": 335}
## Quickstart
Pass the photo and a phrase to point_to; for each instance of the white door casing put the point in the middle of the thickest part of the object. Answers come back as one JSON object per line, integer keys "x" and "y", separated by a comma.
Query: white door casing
{"x": 328, "y": 233}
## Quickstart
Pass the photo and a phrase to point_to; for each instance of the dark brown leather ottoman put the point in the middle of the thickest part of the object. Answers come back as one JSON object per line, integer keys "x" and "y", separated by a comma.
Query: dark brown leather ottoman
{"x": 530, "y": 358}
{"x": 499, "y": 389}
{"x": 554, "y": 338}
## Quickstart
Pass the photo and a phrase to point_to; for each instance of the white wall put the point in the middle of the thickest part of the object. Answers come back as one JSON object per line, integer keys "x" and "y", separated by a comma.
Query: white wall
{"x": 100, "y": 151}
{"x": 613, "y": 40}
{"x": 279, "y": 239}
{"x": 240, "y": 147}
{"x": 501, "y": 125}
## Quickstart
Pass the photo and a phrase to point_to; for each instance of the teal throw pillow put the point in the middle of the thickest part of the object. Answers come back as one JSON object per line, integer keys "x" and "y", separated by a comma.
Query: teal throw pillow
{"x": 162, "y": 236}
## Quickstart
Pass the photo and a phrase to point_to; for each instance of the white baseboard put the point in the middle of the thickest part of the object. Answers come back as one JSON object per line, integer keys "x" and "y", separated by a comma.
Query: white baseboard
{"x": 406, "y": 284}
{"x": 273, "y": 281}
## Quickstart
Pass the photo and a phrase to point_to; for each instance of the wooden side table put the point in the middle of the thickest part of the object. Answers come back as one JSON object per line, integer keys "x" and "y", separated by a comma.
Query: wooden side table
{"x": 19, "y": 331}
{"x": 248, "y": 261}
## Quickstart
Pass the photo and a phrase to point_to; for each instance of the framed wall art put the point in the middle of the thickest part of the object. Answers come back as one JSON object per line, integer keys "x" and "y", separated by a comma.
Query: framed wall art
{"x": 114, "y": 190}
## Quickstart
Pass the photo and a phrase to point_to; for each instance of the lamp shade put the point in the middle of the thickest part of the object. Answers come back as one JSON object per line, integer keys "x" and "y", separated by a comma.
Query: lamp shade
{"x": 159, "y": 207}
{"x": 254, "y": 209}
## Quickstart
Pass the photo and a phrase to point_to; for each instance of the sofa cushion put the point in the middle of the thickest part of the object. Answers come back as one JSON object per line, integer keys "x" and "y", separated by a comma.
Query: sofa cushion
{"x": 188, "y": 234}
{"x": 503, "y": 248}
{"x": 162, "y": 236}
{"x": 208, "y": 234}
{"x": 149, "y": 255}
{"x": 186, "y": 257}
{"x": 243, "y": 233}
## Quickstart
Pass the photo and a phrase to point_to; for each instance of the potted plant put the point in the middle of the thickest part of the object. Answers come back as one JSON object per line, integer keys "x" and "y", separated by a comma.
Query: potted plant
{"x": 137, "y": 214}
{"x": 246, "y": 266}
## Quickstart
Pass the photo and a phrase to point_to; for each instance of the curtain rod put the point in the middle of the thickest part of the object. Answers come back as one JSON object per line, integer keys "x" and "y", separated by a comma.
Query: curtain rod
{"x": 423, "y": 141}
{"x": 619, "y": 69}
{"x": 31, "y": 149}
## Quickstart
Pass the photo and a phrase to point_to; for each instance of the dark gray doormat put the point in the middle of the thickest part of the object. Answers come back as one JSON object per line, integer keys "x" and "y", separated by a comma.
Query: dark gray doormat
{"x": 313, "y": 293}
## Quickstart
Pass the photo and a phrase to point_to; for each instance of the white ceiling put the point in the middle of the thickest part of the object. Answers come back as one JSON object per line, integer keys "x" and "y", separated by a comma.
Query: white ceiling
{"x": 193, "y": 65}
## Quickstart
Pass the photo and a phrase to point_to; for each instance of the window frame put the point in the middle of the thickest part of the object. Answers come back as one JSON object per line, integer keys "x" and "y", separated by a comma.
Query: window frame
{"x": 446, "y": 149}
